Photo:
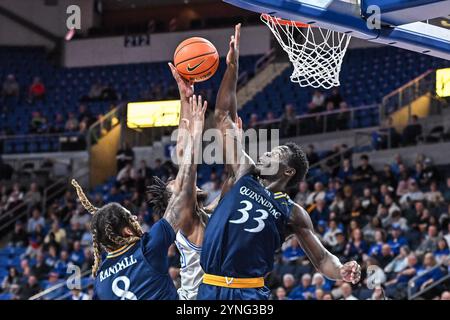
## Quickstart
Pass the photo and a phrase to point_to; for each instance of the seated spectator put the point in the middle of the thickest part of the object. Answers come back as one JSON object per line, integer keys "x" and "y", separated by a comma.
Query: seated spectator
{"x": 343, "y": 117}
{"x": 37, "y": 90}
{"x": 402, "y": 188}
{"x": 38, "y": 123}
{"x": 447, "y": 190}
{"x": 319, "y": 282}
{"x": 11, "y": 282}
{"x": 434, "y": 196}
{"x": 442, "y": 251}
{"x": 126, "y": 175}
{"x": 56, "y": 234}
{"x": 329, "y": 237}
{"x": 62, "y": 263}
{"x": 288, "y": 121}
{"x": 347, "y": 293}
{"x": 40, "y": 269}
{"x": 399, "y": 263}
{"x": 331, "y": 118}
{"x": 59, "y": 124}
{"x": 395, "y": 287}
{"x": 30, "y": 289}
{"x": 430, "y": 242}
{"x": 291, "y": 250}
{"x": 320, "y": 212}
{"x": 339, "y": 248}
{"x": 370, "y": 229}
{"x": 388, "y": 177}
{"x": 77, "y": 254}
{"x": 33, "y": 196}
{"x": 412, "y": 131}
{"x": 414, "y": 194}
{"x": 304, "y": 291}
{"x": 364, "y": 171}
{"x": 280, "y": 294}
{"x": 19, "y": 237}
{"x": 317, "y": 194}
{"x": 445, "y": 295}
{"x": 312, "y": 155}
{"x": 72, "y": 124}
{"x": 379, "y": 241}
{"x": 398, "y": 219}
{"x": 35, "y": 220}
{"x": 429, "y": 273}
{"x": 84, "y": 114}
{"x": 95, "y": 92}
{"x": 144, "y": 171}
{"x": 288, "y": 283}
{"x": 77, "y": 294}
{"x": 302, "y": 194}
{"x": 356, "y": 247}
{"x": 253, "y": 122}
{"x": 335, "y": 97}
{"x": 378, "y": 294}
{"x": 430, "y": 172}
{"x": 396, "y": 240}
{"x": 345, "y": 173}
{"x": 10, "y": 87}
{"x": 317, "y": 102}
{"x": 385, "y": 256}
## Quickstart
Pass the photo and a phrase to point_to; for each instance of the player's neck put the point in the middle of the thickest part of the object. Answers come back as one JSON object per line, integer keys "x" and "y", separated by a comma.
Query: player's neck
{"x": 273, "y": 185}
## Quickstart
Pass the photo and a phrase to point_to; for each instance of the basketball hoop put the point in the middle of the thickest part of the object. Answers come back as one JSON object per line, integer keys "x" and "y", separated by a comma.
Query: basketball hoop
{"x": 316, "y": 53}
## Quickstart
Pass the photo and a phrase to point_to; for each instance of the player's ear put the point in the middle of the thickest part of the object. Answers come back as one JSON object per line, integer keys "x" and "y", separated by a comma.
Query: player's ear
{"x": 290, "y": 172}
{"x": 127, "y": 232}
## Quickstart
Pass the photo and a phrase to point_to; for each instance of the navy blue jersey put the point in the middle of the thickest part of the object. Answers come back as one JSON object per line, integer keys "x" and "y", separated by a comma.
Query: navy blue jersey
{"x": 139, "y": 271}
{"x": 245, "y": 230}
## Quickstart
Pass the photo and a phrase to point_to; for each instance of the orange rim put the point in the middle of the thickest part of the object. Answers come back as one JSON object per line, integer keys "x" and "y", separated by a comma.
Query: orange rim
{"x": 284, "y": 22}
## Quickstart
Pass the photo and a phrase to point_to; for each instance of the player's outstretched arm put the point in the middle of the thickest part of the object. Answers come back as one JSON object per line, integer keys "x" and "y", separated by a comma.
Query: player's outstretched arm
{"x": 225, "y": 114}
{"x": 323, "y": 260}
{"x": 180, "y": 209}
{"x": 186, "y": 90}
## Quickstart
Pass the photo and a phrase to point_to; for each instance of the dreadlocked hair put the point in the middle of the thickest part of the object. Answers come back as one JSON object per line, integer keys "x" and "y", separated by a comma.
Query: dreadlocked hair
{"x": 158, "y": 196}
{"x": 107, "y": 226}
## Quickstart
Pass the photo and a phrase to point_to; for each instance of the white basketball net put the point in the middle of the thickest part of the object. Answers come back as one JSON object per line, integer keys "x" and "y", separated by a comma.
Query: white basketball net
{"x": 316, "y": 53}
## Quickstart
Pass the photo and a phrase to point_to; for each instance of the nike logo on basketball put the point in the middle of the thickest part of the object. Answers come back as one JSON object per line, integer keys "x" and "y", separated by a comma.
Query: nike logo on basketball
{"x": 190, "y": 69}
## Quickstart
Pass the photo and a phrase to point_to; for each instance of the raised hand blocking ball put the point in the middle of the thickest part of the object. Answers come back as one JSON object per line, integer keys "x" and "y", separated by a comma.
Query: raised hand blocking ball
{"x": 196, "y": 59}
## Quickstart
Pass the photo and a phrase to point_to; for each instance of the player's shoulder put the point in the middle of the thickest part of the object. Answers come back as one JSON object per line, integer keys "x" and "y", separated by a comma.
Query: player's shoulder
{"x": 300, "y": 217}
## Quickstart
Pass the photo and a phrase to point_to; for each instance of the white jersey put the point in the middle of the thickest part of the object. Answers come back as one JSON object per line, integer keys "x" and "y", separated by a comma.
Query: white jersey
{"x": 191, "y": 272}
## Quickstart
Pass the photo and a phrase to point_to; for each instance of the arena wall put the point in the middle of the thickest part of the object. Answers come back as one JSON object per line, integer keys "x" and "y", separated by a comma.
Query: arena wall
{"x": 157, "y": 47}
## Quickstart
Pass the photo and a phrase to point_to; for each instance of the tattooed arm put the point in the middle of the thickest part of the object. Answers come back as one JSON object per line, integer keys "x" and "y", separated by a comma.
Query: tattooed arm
{"x": 183, "y": 200}
{"x": 323, "y": 260}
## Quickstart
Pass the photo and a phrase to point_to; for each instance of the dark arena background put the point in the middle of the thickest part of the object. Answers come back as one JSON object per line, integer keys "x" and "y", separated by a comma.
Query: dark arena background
{"x": 86, "y": 93}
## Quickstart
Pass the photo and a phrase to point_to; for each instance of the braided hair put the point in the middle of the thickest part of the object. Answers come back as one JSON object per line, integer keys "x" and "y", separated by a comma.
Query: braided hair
{"x": 159, "y": 196}
{"x": 107, "y": 225}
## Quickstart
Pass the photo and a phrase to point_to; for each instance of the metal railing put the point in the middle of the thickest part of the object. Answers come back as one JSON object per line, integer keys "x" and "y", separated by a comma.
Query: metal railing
{"x": 326, "y": 121}
{"x": 412, "y": 283}
{"x": 408, "y": 93}
{"x": 41, "y": 295}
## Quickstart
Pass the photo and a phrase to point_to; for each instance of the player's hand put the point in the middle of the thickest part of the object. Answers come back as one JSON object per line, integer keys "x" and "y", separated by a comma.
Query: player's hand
{"x": 233, "y": 52}
{"x": 351, "y": 272}
{"x": 185, "y": 87}
{"x": 198, "y": 109}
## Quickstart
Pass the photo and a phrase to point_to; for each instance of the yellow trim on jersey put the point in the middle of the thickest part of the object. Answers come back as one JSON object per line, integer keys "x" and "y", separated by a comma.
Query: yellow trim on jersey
{"x": 119, "y": 251}
{"x": 279, "y": 196}
{"x": 235, "y": 283}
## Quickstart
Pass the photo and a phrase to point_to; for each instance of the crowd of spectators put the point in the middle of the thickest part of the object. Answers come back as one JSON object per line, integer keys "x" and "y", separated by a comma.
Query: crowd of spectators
{"x": 396, "y": 219}
{"x": 325, "y": 113}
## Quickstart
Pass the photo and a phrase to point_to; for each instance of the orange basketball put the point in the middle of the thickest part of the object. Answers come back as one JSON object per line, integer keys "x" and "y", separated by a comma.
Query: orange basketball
{"x": 196, "y": 59}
